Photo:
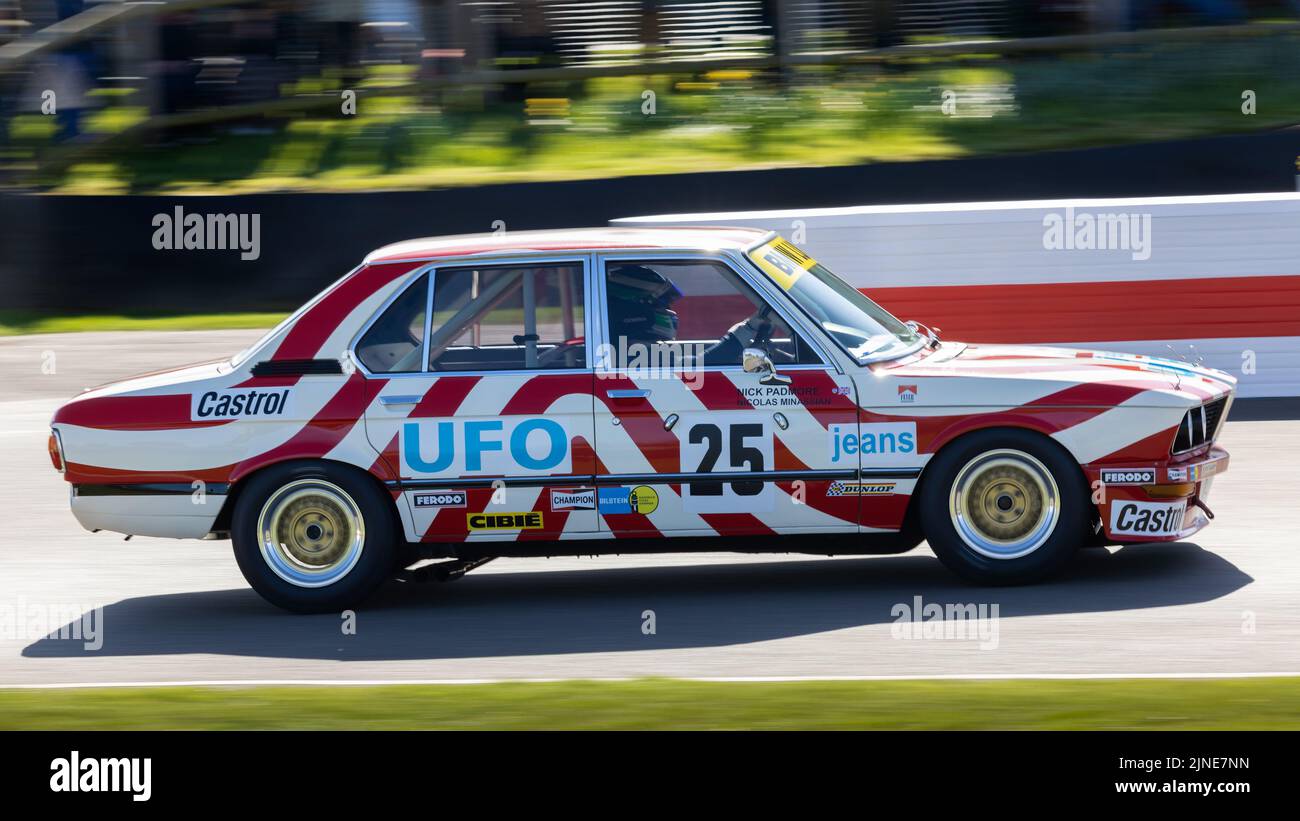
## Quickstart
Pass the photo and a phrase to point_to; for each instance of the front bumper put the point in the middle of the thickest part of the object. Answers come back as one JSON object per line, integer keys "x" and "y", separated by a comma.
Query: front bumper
{"x": 1156, "y": 502}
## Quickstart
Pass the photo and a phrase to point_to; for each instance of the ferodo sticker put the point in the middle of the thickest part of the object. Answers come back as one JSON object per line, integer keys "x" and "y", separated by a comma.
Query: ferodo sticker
{"x": 439, "y": 498}
{"x": 1132, "y": 518}
{"x": 531, "y": 520}
{"x": 1128, "y": 476}
{"x": 239, "y": 403}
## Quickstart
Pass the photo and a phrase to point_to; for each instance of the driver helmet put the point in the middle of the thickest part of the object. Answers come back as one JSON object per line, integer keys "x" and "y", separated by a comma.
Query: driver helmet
{"x": 639, "y": 300}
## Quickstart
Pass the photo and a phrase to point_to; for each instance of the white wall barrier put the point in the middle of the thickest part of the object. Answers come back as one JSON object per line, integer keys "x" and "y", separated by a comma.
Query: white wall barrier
{"x": 1215, "y": 278}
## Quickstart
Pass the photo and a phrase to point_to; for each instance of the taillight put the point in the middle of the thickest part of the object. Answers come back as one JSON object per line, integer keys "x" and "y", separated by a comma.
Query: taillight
{"x": 56, "y": 452}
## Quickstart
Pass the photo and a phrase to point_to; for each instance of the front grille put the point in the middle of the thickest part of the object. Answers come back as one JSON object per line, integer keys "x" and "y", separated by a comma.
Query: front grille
{"x": 1199, "y": 425}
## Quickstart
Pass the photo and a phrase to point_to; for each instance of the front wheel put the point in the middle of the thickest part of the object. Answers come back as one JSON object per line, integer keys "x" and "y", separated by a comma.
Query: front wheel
{"x": 1004, "y": 507}
{"x": 313, "y": 537}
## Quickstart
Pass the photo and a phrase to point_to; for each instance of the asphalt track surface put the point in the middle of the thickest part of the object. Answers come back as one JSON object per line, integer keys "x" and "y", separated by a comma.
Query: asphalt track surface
{"x": 1226, "y": 603}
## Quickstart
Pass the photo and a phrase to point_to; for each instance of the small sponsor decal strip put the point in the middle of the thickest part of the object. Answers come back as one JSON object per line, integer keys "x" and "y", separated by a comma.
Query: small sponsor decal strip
{"x": 1128, "y": 476}
{"x": 855, "y": 488}
{"x": 640, "y": 499}
{"x": 565, "y": 500}
{"x": 439, "y": 498}
{"x": 1133, "y": 518}
{"x": 1193, "y": 473}
{"x": 530, "y": 520}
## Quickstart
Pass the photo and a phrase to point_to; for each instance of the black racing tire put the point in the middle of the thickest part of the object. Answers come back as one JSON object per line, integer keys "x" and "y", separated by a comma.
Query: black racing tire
{"x": 962, "y": 500}
{"x": 338, "y": 536}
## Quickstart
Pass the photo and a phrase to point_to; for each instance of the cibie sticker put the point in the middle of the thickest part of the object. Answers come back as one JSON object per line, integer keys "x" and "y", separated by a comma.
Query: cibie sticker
{"x": 439, "y": 498}
{"x": 875, "y": 443}
{"x": 1131, "y": 518}
{"x": 239, "y": 403}
{"x": 573, "y": 499}
{"x": 855, "y": 488}
{"x": 531, "y": 520}
{"x": 639, "y": 499}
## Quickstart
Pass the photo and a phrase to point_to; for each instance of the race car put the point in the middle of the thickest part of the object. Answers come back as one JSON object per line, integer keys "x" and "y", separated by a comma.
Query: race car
{"x": 634, "y": 390}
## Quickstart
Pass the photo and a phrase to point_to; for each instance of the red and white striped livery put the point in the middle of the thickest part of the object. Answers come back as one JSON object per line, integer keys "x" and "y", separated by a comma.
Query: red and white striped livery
{"x": 633, "y": 390}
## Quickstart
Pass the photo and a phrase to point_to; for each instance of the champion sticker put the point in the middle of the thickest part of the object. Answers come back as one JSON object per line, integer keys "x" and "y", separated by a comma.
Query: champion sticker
{"x": 573, "y": 499}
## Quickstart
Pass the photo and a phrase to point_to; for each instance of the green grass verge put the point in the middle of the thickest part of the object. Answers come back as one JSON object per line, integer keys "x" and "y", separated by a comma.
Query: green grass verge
{"x": 24, "y": 322}
{"x": 911, "y": 108}
{"x": 663, "y": 704}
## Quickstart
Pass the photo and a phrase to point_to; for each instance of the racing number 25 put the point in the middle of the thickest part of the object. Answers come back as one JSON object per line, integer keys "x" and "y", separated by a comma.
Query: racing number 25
{"x": 742, "y": 455}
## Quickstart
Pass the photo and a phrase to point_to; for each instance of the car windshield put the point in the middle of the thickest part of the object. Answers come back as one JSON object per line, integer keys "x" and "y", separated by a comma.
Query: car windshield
{"x": 863, "y": 328}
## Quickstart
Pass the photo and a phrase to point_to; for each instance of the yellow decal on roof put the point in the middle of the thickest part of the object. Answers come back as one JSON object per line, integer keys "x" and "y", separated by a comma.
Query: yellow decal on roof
{"x": 783, "y": 262}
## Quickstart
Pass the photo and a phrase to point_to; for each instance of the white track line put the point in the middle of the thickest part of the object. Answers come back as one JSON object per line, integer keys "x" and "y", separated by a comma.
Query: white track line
{"x": 722, "y": 679}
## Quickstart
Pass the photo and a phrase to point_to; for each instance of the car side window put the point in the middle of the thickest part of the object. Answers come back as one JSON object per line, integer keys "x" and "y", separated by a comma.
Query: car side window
{"x": 702, "y": 307}
{"x": 508, "y": 317}
{"x": 394, "y": 343}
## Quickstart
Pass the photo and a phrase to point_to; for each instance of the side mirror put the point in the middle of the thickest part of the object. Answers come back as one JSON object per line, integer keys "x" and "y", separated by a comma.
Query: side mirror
{"x": 756, "y": 360}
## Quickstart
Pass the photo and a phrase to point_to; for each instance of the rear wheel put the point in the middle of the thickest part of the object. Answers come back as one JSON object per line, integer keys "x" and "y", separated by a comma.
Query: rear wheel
{"x": 314, "y": 536}
{"x": 1004, "y": 507}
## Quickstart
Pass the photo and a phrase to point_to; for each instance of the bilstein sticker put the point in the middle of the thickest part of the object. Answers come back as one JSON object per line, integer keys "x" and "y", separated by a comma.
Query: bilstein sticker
{"x": 639, "y": 499}
{"x": 532, "y": 520}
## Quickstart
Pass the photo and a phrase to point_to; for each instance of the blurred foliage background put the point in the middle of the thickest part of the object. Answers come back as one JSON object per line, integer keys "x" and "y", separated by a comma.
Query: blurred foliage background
{"x": 215, "y": 96}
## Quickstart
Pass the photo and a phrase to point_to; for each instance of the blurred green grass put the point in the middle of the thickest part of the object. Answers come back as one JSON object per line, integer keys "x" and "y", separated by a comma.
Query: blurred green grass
{"x": 403, "y": 138}
{"x": 31, "y": 322}
{"x": 662, "y": 704}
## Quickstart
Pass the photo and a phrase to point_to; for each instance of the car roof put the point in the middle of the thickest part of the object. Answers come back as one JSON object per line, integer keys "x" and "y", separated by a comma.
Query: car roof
{"x": 574, "y": 239}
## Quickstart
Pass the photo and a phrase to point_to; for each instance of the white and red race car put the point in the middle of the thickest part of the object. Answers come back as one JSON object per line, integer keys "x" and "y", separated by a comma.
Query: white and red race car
{"x": 630, "y": 390}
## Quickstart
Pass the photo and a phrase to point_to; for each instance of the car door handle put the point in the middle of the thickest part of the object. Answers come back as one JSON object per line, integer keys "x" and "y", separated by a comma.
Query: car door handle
{"x": 405, "y": 399}
{"x": 628, "y": 393}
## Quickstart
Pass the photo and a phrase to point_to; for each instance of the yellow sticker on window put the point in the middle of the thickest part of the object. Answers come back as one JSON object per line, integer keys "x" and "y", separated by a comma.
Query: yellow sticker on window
{"x": 783, "y": 262}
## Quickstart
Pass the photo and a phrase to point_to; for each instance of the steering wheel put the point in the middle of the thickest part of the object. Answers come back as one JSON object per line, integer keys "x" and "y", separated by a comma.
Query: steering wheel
{"x": 557, "y": 353}
{"x": 754, "y": 332}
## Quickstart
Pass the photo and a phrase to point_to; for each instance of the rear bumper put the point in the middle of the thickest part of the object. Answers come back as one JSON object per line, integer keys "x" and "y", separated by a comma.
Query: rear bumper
{"x": 173, "y": 515}
{"x": 1156, "y": 502}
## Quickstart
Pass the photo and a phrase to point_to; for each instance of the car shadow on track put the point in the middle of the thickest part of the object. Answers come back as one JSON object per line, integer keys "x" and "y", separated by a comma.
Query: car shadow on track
{"x": 600, "y": 610}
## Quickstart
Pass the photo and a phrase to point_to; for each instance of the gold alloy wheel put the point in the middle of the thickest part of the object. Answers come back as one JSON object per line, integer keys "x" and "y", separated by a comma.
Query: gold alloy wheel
{"x": 311, "y": 533}
{"x": 1004, "y": 504}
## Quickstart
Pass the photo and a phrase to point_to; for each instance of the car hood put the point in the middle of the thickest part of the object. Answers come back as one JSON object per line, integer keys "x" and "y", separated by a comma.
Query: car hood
{"x": 1025, "y": 370}
{"x": 154, "y": 381}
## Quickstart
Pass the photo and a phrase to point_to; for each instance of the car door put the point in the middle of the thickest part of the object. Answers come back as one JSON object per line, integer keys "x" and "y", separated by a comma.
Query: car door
{"x": 485, "y": 415}
{"x": 687, "y": 441}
